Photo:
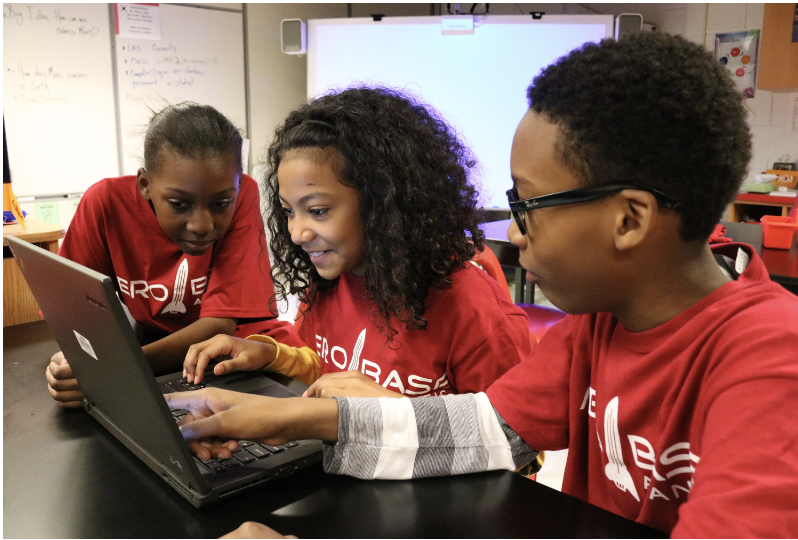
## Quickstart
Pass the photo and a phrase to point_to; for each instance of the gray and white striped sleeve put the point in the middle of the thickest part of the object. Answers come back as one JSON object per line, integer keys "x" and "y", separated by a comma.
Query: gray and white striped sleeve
{"x": 399, "y": 439}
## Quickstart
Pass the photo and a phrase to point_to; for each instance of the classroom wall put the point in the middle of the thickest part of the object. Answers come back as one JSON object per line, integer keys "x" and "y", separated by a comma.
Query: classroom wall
{"x": 283, "y": 77}
{"x": 767, "y": 111}
{"x": 277, "y": 82}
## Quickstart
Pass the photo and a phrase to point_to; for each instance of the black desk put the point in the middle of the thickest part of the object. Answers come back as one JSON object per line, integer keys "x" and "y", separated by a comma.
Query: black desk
{"x": 782, "y": 264}
{"x": 65, "y": 476}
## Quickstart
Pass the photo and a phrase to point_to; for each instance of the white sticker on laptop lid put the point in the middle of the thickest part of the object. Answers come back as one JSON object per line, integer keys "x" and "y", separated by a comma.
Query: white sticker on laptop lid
{"x": 742, "y": 261}
{"x": 85, "y": 344}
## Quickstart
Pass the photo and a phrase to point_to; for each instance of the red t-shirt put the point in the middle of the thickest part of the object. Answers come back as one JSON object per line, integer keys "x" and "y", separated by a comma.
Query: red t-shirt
{"x": 691, "y": 427}
{"x": 474, "y": 335}
{"x": 116, "y": 233}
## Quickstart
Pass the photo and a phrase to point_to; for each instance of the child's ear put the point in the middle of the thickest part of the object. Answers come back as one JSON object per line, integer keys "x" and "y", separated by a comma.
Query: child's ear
{"x": 143, "y": 183}
{"x": 635, "y": 218}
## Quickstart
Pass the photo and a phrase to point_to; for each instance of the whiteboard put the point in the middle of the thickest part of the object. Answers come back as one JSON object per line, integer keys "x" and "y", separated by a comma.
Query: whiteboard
{"x": 77, "y": 99}
{"x": 58, "y": 97}
{"x": 200, "y": 57}
{"x": 476, "y": 81}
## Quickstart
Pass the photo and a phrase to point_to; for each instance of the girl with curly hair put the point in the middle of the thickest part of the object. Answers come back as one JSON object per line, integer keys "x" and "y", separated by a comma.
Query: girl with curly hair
{"x": 370, "y": 214}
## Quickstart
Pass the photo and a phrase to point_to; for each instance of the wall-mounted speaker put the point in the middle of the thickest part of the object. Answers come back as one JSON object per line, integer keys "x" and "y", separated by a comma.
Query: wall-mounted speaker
{"x": 293, "y": 36}
{"x": 628, "y": 23}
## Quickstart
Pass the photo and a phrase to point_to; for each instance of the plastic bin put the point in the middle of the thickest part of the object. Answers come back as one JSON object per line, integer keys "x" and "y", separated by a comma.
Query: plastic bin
{"x": 777, "y": 231}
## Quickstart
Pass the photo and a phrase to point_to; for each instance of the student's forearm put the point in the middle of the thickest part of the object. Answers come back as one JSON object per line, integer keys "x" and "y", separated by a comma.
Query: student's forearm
{"x": 313, "y": 419}
{"x": 167, "y": 354}
{"x": 415, "y": 438}
{"x": 270, "y": 420}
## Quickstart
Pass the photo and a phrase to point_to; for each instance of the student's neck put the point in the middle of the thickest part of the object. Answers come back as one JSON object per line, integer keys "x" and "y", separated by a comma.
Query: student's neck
{"x": 670, "y": 288}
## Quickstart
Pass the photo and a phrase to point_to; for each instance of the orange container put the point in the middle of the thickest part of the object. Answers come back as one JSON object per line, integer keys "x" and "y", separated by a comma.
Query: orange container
{"x": 777, "y": 231}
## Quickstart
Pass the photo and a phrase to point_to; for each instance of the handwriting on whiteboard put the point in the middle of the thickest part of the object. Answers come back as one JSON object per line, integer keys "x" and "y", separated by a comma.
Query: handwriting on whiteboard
{"x": 160, "y": 66}
{"x": 39, "y": 84}
{"x": 62, "y": 22}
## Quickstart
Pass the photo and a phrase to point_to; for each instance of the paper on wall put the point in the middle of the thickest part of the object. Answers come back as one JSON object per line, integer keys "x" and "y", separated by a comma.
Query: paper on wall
{"x": 138, "y": 21}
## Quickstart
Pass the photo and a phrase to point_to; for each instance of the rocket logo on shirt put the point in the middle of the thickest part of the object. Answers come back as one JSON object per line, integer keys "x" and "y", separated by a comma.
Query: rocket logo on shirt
{"x": 177, "y": 305}
{"x": 616, "y": 469}
{"x": 413, "y": 385}
{"x": 361, "y": 339}
{"x": 669, "y": 477}
{"x": 141, "y": 288}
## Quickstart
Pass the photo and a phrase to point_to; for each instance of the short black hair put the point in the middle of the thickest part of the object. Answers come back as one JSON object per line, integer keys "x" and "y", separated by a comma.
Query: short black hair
{"x": 651, "y": 109}
{"x": 417, "y": 204}
{"x": 193, "y": 131}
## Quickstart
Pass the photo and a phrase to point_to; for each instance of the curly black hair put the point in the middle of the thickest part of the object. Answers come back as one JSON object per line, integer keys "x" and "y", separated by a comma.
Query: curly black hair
{"x": 650, "y": 109}
{"x": 417, "y": 203}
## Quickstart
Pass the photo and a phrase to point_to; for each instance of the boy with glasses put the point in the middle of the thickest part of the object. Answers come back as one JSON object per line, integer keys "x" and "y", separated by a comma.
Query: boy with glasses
{"x": 673, "y": 385}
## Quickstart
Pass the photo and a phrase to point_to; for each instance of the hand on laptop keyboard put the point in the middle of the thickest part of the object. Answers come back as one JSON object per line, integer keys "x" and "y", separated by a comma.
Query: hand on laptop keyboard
{"x": 247, "y": 452}
{"x": 216, "y": 415}
{"x": 245, "y": 355}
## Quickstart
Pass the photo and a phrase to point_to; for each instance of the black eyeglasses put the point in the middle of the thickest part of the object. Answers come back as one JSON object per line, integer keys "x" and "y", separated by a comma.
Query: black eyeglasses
{"x": 573, "y": 196}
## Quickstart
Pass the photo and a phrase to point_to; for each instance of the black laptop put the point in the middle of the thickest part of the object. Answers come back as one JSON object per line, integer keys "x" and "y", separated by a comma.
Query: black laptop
{"x": 89, "y": 323}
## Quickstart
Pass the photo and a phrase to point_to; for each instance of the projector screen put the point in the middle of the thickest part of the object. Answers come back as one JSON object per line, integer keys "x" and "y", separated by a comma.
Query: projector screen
{"x": 476, "y": 81}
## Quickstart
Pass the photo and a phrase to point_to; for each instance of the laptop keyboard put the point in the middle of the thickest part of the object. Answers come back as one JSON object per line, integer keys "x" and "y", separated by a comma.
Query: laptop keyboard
{"x": 182, "y": 385}
{"x": 248, "y": 451}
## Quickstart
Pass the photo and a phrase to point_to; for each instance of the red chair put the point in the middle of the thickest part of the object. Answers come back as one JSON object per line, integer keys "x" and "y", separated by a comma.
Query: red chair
{"x": 540, "y": 318}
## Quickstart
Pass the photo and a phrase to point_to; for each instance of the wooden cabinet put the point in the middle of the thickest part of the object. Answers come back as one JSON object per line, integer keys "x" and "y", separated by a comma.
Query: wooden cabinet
{"x": 19, "y": 306}
{"x": 752, "y": 206}
{"x": 778, "y": 55}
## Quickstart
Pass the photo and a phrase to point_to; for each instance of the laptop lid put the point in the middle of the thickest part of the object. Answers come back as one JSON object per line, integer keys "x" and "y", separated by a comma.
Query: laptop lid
{"x": 97, "y": 341}
{"x": 89, "y": 323}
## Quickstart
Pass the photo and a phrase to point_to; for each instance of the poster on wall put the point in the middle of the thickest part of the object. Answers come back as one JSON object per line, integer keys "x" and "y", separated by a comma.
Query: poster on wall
{"x": 737, "y": 52}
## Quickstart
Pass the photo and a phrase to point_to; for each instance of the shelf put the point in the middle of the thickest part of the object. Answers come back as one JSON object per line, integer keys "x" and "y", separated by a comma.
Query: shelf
{"x": 752, "y": 206}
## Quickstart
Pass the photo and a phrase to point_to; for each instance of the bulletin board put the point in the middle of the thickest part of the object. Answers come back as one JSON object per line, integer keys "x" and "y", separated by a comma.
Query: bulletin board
{"x": 77, "y": 98}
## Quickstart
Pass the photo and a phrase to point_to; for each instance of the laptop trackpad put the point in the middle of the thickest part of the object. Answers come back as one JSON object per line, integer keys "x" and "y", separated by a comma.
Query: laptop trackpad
{"x": 246, "y": 382}
{"x": 275, "y": 390}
